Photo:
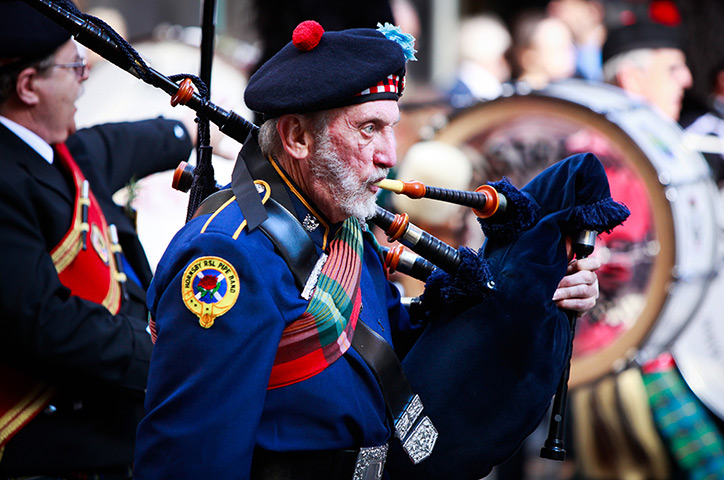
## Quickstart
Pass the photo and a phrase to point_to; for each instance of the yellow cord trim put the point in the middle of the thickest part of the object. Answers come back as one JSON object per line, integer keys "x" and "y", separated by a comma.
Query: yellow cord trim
{"x": 264, "y": 199}
{"x": 35, "y": 400}
{"x": 65, "y": 253}
{"x": 218, "y": 210}
{"x": 303, "y": 200}
{"x": 238, "y": 230}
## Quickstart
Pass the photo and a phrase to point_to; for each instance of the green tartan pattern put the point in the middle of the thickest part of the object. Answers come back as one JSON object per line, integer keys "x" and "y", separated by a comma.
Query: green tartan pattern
{"x": 323, "y": 333}
{"x": 687, "y": 428}
{"x": 332, "y": 304}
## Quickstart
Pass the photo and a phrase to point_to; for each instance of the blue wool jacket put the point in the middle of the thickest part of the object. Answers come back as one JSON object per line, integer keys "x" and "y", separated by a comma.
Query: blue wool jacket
{"x": 207, "y": 403}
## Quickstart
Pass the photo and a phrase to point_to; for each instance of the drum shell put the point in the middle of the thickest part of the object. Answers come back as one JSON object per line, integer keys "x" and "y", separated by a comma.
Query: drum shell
{"x": 683, "y": 248}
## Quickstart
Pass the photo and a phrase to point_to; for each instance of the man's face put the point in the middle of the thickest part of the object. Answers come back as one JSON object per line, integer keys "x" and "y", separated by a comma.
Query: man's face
{"x": 664, "y": 80}
{"x": 357, "y": 151}
{"x": 552, "y": 51}
{"x": 58, "y": 89}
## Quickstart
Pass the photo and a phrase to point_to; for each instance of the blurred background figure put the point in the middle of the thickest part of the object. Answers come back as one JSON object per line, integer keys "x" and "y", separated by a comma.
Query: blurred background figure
{"x": 543, "y": 49}
{"x": 647, "y": 60}
{"x": 585, "y": 19}
{"x": 74, "y": 350}
{"x": 483, "y": 43}
{"x": 160, "y": 210}
{"x": 706, "y": 126}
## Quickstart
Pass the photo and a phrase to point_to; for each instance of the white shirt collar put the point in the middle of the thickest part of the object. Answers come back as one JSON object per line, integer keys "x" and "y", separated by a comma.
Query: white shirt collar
{"x": 31, "y": 138}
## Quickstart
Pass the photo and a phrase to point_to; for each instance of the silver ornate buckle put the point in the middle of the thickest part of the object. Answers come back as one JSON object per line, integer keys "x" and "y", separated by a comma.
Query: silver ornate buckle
{"x": 418, "y": 437}
{"x": 421, "y": 441}
{"x": 370, "y": 463}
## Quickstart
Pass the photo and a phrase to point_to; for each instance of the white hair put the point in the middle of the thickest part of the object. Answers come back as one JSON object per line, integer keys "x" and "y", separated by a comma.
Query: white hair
{"x": 639, "y": 58}
{"x": 348, "y": 191}
{"x": 269, "y": 140}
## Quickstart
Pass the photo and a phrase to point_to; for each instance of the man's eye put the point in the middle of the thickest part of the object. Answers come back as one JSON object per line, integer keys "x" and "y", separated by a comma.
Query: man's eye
{"x": 368, "y": 129}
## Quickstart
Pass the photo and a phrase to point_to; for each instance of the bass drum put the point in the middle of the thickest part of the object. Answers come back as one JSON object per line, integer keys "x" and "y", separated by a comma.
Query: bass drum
{"x": 699, "y": 351}
{"x": 658, "y": 266}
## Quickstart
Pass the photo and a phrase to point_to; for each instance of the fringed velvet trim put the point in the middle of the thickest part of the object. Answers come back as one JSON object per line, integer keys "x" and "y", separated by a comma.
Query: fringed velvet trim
{"x": 601, "y": 216}
{"x": 520, "y": 215}
{"x": 469, "y": 286}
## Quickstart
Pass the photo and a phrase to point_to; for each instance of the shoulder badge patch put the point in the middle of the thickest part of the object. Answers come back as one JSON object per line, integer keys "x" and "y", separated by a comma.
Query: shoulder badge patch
{"x": 209, "y": 288}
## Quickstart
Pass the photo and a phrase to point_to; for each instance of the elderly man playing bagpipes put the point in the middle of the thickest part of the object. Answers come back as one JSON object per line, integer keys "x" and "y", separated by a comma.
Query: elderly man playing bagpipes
{"x": 274, "y": 331}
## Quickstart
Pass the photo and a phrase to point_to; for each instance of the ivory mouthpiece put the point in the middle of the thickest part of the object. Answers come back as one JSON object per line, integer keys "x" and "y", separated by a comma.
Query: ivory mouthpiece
{"x": 396, "y": 186}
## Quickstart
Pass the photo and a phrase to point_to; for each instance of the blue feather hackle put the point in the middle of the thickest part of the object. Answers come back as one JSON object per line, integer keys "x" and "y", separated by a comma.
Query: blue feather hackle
{"x": 405, "y": 40}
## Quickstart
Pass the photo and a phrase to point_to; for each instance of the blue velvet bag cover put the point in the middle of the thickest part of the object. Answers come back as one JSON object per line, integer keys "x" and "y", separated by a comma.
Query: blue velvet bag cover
{"x": 488, "y": 363}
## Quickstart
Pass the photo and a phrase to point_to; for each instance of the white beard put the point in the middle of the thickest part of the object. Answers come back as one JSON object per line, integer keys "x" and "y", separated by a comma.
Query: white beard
{"x": 351, "y": 194}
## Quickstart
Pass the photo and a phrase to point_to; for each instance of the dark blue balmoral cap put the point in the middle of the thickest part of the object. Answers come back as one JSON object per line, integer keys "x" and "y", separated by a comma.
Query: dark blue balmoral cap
{"x": 638, "y": 35}
{"x": 26, "y": 34}
{"x": 320, "y": 70}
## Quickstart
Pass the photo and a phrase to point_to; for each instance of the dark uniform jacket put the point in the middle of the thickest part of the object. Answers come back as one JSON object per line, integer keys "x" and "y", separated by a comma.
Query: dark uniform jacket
{"x": 98, "y": 361}
{"x": 208, "y": 406}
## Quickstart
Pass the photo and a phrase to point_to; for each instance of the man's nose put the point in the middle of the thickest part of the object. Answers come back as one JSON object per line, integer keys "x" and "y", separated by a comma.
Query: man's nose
{"x": 685, "y": 78}
{"x": 386, "y": 156}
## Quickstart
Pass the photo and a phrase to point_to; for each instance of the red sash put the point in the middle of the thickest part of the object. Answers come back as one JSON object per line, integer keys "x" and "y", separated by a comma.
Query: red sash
{"x": 89, "y": 273}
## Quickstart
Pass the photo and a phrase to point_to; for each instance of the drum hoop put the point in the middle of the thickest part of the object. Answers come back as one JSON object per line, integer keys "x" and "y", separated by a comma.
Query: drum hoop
{"x": 622, "y": 351}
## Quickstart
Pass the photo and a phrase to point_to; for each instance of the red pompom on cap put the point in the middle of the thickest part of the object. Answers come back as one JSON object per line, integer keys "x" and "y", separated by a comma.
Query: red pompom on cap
{"x": 307, "y": 35}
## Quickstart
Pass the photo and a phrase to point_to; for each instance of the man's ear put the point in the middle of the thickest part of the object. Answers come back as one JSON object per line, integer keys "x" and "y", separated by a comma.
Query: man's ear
{"x": 630, "y": 78}
{"x": 25, "y": 86}
{"x": 295, "y": 137}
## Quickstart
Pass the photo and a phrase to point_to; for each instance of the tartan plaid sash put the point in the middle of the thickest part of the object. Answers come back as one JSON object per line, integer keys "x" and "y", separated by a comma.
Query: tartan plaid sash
{"x": 324, "y": 331}
{"x": 686, "y": 426}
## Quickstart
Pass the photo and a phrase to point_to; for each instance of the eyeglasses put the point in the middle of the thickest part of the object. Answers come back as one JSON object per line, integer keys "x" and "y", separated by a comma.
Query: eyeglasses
{"x": 80, "y": 67}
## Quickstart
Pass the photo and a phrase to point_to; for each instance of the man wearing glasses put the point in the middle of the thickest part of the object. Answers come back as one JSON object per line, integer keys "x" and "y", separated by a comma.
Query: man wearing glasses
{"x": 80, "y": 66}
{"x": 74, "y": 350}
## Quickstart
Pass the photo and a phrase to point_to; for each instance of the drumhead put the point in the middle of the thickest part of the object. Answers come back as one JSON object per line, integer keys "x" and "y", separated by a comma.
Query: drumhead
{"x": 656, "y": 266}
{"x": 699, "y": 351}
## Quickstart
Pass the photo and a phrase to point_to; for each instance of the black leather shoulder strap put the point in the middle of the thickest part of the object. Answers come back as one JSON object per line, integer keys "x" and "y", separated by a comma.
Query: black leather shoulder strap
{"x": 300, "y": 255}
{"x": 213, "y": 202}
{"x": 291, "y": 241}
{"x": 282, "y": 228}
{"x": 252, "y": 165}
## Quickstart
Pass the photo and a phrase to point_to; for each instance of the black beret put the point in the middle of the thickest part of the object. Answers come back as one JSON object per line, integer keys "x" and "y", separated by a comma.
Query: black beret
{"x": 26, "y": 34}
{"x": 641, "y": 35}
{"x": 320, "y": 70}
